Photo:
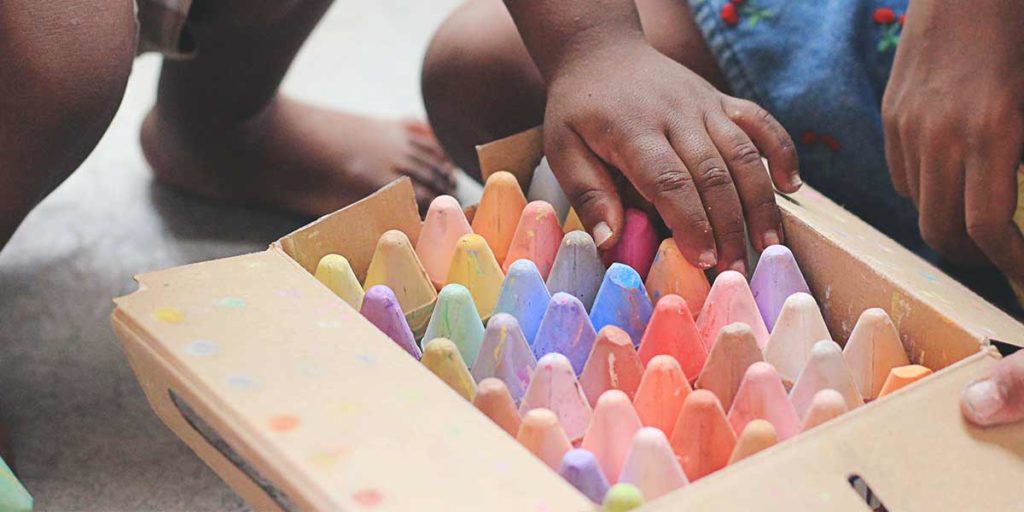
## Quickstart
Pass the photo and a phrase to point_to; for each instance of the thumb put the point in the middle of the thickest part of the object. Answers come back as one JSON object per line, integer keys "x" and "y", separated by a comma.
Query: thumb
{"x": 998, "y": 399}
{"x": 588, "y": 184}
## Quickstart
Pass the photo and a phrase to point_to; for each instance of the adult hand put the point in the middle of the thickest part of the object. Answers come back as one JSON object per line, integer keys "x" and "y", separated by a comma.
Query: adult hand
{"x": 954, "y": 127}
{"x": 999, "y": 398}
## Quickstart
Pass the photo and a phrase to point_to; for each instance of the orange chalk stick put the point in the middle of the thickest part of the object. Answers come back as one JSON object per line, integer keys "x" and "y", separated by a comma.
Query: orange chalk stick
{"x": 734, "y": 352}
{"x": 756, "y": 436}
{"x": 613, "y": 364}
{"x": 554, "y": 386}
{"x": 672, "y": 332}
{"x": 498, "y": 213}
{"x": 537, "y": 238}
{"x": 702, "y": 437}
{"x": 672, "y": 274}
{"x": 493, "y": 399}
{"x": 903, "y": 376}
{"x": 572, "y": 222}
{"x": 873, "y": 349}
{"x": 825, "y": 405}
{"x": 661, "y": 393}
{"x": 541, "y": 433}
{"x": 611, "y": 431}
{"x": 444, "y": 224}
{"x": 825, "y": 370}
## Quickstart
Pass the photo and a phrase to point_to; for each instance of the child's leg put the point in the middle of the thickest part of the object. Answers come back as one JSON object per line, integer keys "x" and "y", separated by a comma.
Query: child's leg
{"x": 479, "y": 83}
{"x": 63, "y": 70}
{"x": 221, "y": 129}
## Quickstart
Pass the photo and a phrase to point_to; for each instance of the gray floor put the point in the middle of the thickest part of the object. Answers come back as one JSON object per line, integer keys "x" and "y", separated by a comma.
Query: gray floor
{"x": 83, "y": 434}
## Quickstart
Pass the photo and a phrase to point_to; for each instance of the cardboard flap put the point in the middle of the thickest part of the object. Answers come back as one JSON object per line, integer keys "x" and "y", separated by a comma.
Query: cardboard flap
{"x": 913, "y": 449}
{"x": 353, "y": 231}
{"x": 318, "y": 400}
{"x": 518, "y": 154}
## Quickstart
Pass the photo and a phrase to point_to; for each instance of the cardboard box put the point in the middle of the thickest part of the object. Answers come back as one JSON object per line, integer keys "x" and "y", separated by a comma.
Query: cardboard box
{"x": 300, "y": 404}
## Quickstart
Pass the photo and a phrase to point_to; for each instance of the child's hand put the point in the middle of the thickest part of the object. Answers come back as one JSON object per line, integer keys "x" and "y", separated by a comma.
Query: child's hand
{"x": 614, "y": 102}
{"x": 692, "y": 151}
{"x": 999, "y": 398}
{"x": 954, "y": 126}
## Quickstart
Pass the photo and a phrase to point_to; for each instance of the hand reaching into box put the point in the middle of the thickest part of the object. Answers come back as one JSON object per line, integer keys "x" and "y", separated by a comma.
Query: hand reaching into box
{"x": 998, "y": 399}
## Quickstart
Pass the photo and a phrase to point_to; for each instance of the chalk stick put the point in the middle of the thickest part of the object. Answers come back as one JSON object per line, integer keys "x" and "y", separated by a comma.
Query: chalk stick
{"x": 651, "y": 466}
{"x": 443, "y": 225}
{"x": 381, "y": 308}
{"x": 661, "y": 393}
{"x": 762, "y": 396}
{"x": 730, "y": 301}
{"x": 637, "y": 245}
{"x": 671, "y": 274}
{"x": 335, "y": 273}
{"x": 622, "y": 498}
{"x": 577, "y": 269}
{"x": 825, "y": 369}
{"x": 776, "y": 277}
{"x": 734, "y": 352}
{"x": 798, "y": 328}
{"x": 579, "y": 468}
{"x": 395, "y": 265}
{"x": 611, "y": 431}
{"x": 13, "y": 496}
{"x": 565, "y": 329}
{"x": 572, "y": 222}
{"x": 442, "y": 357}
{"x": 702, "y": 437}
{"x": 622, "y": 301}
{"x": 554, "y": 386}
{"x": 525, "y": 296}
{"x": 455, "y": 318}
{"x": 505, "y": 355}
{"x": 672, "y": 331}
{"x": 903, "y": 376}
{"x": 474, "y": 267}
{"x": 537, "y": 238}
{"x": 544, "y": 187}
{"x": 872, "y": 350}
{"x": 756, "y": 436}
{"x": 825, "y": 405}
{"x": 498, "y": 213}
{"x": 541, "y": 433}
{"x": 613, "y": 364}
{"x": 493, "y": 399}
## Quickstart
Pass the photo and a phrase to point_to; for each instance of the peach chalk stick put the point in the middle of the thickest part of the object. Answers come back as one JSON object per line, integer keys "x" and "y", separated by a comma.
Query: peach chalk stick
{"x": 825, "y": 405}
{"x": 554, "y": 386}
{"x": 572, "y": 222}
{"x": 335, "y": 273}
{"x": 730, "y": 301}
{"x": 872, "y": 350}
{"x": 493, "y": 399}
{"x": 505, "y": 355}
{"x": 613, "y": 364}
{"x": 662, "y": 391}
{"x": 702, "y": 437}
{"x": 797, "y": 329}
{"x": 734, "y": 352}
{"x": 543, "y": 436}
{"x": 672, "y": 274}
{"x": 756, "y": 436}
{"x": 637, "y": 245}
{"x": 762, "y": 396}
{"x": 673, "y": 332}
{"x": 498, "y": 213}
{"x": 395, "y": 265}
{"x": 903, "y": 376}
{"x": 611, "y": 432}
{"x": 825, "y": 370}
{"x": 474, "y": 267}
{"x": 651, "y": 466}
{"x": 537, "y": 238}
{"x": 442, "y": 357}
{"x": 444, "y": 224}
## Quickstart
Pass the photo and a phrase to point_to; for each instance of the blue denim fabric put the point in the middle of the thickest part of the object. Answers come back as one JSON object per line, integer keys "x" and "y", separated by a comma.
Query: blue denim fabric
{"x": 820, "y": 68}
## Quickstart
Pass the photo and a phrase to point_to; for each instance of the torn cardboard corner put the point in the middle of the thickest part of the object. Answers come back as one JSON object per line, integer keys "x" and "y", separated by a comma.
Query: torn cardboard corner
{"x": 299, "y": 403}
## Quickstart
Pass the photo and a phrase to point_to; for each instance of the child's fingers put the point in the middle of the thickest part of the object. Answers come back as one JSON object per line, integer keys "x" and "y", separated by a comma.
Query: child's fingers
{"x": 998, "y": 399}
{"x": 771, "y": 139}
{"x": 718, "y": 193}
{"x": 894, "y": 154}
{"x": 752, "y": 181}
{"x": 588, "y": 184}
{"x": 654, "y": 168}
{"x": 912, "y": 166}
{"x": 991, "y": 199}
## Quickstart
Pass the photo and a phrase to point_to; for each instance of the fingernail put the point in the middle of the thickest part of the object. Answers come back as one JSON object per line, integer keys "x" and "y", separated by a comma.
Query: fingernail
{"x": 795, "y": 181}
{"x": 771, "y": 237}
{"x": 707, "y": 259}
{"x": 602, "y": 232}
{"x": 983, "y": 401}
{"x": 739, "y": 266}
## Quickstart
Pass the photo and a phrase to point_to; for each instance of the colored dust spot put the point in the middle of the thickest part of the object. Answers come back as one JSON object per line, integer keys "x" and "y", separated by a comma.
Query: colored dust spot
{"x": 327, "y": 458}
{"x": 169, "y": 315}
{"x": 283, "y": 423}
{"x": 202, "y": 348}
{"x": 231, "y": 302}
{"x": 928, "y": 276}
{"x": 367, "y": 358}
{"x": 241, "y": 382}
{"x": 348, "y": 408}
{"x": 367, "y": 497}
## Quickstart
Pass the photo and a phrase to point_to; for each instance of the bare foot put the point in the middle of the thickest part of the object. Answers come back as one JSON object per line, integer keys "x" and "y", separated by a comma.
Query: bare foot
{"x": 295, "y": 157}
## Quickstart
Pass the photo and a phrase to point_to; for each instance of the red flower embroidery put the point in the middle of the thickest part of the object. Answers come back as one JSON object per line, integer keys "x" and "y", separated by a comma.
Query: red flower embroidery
{"x": 808, "y": 138}
{"x": 884, "y": 16}
{"x": 730, "y": 15}
{"x": 901, "y": 19}
{"x": 831, "y": 142}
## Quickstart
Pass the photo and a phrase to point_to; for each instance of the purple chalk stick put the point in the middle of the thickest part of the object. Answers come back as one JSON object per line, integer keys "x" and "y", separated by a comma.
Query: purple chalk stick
{"x": 524, "y": 296}
{"x": 775, "y": 278}
{"x": 565, "y": 329}
{"x": 505, "y": 355}
{"x": 382, "y": 309}
{"x": 579, "y": 468}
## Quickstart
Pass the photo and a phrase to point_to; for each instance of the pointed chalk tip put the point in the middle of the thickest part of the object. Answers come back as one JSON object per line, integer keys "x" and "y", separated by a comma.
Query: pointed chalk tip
{"x": 542, "y": 434}
{"x": 581, "y": 469}
{"x": 580, "y": 240}
{"x": 825, "y": 405}
{"x": 505, "y": 354}
{"x": 613, "y": 363}
{"x": 493, "y": 399}
{"x": 442, "y": 358}
{"x": 756, "y": 436}
{"x": 903, "y": 376}
{"x": 554, "y": 386}
{"x": 730, "y": 278}
{"x": 762, "y": 373}
{"x": 537, "y": 236}
{"x": 825, "y": 368}
{"x": 623, "y": 276}
{"x": 474, "y": 266}
{"x": 622, "y": 301}
{"x": 522, "y": 268}
{"x": 382, "y": 309}
{"x": 335, "y": 272}
{"x": 623, "y": 498}
{"x": 651, "y": 465}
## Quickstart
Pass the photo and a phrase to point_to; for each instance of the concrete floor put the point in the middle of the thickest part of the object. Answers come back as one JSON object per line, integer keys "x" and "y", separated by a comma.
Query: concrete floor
{"x": 83, "y": 434}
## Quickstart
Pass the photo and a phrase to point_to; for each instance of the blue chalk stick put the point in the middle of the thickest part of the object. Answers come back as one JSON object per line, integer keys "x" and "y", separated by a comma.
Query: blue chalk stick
{"x": 524, "y": 296}
{"x": 622, "y": 301}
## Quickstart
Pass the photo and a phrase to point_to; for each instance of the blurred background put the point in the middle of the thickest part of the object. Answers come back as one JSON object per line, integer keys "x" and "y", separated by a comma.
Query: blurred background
{"x": 83, "y": 435}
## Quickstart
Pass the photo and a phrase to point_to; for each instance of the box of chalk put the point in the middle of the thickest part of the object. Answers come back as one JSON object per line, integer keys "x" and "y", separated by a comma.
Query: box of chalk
{"x": 491, "y": 358}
